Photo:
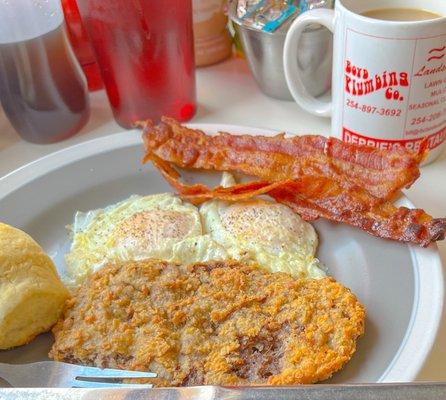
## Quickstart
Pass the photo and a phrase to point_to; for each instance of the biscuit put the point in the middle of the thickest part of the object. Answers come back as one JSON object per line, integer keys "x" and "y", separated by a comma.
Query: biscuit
{"x": 31, "y": 293}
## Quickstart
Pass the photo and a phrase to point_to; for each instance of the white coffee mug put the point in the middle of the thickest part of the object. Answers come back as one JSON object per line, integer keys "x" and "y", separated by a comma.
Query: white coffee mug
{"x": 389, "y": 77}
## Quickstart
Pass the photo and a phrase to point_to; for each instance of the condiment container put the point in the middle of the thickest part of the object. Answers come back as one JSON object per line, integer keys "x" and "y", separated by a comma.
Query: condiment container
{"x": 42, "y": 88}
{"x": 264, "y": 53}
{"x": 211, "y": 37}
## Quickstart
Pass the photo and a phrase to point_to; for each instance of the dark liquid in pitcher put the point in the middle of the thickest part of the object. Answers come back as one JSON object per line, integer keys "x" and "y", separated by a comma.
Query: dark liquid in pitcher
{"x": 42, "y": 89}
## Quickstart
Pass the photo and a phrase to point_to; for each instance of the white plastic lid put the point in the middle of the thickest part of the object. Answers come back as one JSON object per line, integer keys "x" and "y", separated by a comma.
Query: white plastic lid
{"x": 27, "y": 19}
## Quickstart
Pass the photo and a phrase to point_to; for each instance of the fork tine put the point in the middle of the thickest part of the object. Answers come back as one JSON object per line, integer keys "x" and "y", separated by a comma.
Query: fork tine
{"x": 103, "y": 385}
{"x": 93, "y": 372}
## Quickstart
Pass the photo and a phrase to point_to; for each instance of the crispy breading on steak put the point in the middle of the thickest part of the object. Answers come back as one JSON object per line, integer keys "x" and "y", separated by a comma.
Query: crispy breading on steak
{"x": 215, "y": 323}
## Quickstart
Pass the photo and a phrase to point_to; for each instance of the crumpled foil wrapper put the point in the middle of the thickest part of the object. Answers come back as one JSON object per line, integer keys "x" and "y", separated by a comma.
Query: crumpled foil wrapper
{"x": 273, "y": 15}
{"x": 305, "y": 5}
{"x": 244, "y": 5}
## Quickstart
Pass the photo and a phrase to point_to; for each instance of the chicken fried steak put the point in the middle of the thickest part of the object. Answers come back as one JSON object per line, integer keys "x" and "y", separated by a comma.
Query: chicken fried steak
{"x": 215, "y": 323}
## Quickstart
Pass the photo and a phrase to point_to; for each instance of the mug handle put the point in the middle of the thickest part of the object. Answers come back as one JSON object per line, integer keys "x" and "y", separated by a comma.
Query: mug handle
{"x": 290, "y": 60}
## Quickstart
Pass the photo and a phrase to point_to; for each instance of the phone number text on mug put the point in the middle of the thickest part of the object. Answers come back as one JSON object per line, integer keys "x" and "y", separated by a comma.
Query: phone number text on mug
{"x": 368, "y": 109}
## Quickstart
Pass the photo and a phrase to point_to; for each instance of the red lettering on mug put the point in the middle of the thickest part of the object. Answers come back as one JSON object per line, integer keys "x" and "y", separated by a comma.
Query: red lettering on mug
{"x": 357, "y": 82}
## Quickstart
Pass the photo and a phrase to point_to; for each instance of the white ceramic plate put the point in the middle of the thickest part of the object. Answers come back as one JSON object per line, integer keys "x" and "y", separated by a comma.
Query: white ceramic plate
{"x": 400, "y": 285}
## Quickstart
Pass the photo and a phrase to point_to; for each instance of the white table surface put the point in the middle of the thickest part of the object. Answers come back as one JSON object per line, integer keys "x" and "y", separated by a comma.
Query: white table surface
{"x": 228, "y": 94}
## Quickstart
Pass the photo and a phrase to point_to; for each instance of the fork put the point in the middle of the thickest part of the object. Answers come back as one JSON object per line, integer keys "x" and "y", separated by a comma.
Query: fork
{"x": 59, "y": 374}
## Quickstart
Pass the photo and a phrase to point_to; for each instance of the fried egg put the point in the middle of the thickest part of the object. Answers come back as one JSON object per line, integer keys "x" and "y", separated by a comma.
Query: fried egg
{"x": 157, "y": 226}
{"x": 164, "y": 227}
{"x": 263, "y": 232}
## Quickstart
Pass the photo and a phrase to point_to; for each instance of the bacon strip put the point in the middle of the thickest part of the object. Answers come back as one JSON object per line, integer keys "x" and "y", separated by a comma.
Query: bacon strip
{"x": 198, "y": 193}
{"x": 382, "y": 220}
{"x": 314, "y": 197}
{"x": 316, "y": 177}
{"x": 381, "y": 173}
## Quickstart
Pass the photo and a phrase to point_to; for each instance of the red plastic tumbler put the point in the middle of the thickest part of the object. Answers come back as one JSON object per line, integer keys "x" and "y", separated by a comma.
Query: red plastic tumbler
{"x": 81, "y": 45}
{"x": 145, "y": 52}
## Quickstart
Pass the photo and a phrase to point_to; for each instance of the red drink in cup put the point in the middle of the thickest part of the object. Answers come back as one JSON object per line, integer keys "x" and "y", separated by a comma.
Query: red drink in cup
{"x": 145, "y": 51}
{"x": 81, "y": 45}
